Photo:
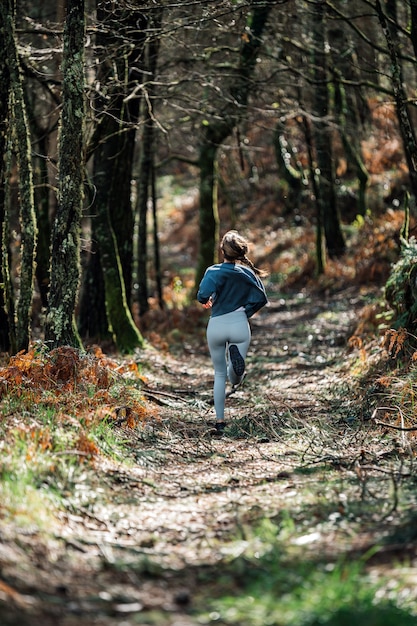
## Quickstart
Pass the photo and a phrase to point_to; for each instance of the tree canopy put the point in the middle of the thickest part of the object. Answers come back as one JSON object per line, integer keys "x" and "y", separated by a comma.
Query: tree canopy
{"x": 103, "y": 104}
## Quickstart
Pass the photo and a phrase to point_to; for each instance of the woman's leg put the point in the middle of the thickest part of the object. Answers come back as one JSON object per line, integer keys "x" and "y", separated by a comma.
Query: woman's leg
{"x": 217, "y": 345}
{"x": 232, "y": 328}
{"x": 240, "y": 337}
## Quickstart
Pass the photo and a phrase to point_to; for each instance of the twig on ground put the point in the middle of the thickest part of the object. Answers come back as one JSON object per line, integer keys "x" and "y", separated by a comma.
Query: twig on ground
{"x": 394, "y": 427}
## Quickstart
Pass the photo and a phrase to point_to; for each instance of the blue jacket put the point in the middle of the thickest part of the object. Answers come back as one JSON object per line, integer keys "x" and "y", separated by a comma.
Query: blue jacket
{"x": 232, "y": 286}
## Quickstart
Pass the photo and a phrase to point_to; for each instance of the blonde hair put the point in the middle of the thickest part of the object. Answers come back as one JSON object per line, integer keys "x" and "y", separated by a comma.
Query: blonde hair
{"x": 235, "y": 248}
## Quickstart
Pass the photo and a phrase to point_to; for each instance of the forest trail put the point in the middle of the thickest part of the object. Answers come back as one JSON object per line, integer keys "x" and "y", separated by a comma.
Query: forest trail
{"x": 135, "y": 537}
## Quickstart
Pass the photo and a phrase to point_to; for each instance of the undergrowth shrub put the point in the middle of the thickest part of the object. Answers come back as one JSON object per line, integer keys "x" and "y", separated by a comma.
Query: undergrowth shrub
{"x": 66, "y": 400}
{"x": 401, "y": 287}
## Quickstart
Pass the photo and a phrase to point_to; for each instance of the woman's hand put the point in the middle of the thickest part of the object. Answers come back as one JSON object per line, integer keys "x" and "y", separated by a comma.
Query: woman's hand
{"x": 208, "y": 304}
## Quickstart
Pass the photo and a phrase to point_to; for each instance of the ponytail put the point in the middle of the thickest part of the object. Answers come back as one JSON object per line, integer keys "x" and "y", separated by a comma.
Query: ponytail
{"x": 254, "y": 269}
{"x": 235, "y": 248}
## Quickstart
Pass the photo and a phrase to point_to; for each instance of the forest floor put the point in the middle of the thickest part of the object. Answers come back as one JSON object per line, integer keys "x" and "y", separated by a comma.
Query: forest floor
{"x": 156, "y": 537}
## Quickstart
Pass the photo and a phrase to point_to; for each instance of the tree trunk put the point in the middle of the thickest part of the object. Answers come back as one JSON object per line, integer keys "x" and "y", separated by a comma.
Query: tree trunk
{"x": 156, "y": 252}
{"x": 293, "y": 176}
{"x": 27, "y": 210}
{"x": 92, "y": 317}
{"x": 351, "y": 145}
{"x": 350, "y": 111}
{"x": 112, "y": 225}
{"x": 413, "y": 6}
{"x": 65, "y": 258}
{"x": 104, "y": 269}
{"x": 320, "y": 256}
{"x": 217, "y": 130}
{"x": 120, "y": 321}
{"x": 128, "y": 38}
{"x": 144, "y": 177}
{"x": 9, "y": 298}
{"x": 146, "y": 169}
{"x": 406, "y": 126}
{"x": 4, "y": 116}
{"x": 43, "y": 257}
{"x": 208, "y": 213}
{"x": 335, "y": 243}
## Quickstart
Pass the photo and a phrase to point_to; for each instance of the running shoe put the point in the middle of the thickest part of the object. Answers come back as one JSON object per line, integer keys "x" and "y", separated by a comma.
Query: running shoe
{"x": 237, "y": 361}
{"x": 220, "y": 426}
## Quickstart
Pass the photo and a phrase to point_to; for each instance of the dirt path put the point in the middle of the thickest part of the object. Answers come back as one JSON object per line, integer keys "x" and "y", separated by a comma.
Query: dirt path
{"x": 135, "y": 536}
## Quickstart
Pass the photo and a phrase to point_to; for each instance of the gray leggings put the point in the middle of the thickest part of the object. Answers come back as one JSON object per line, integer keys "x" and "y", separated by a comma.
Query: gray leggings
{"x": 223, "y": 330}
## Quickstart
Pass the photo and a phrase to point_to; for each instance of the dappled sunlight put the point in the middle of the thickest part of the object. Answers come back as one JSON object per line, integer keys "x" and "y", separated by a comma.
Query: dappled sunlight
{"x": 162, "y": 499}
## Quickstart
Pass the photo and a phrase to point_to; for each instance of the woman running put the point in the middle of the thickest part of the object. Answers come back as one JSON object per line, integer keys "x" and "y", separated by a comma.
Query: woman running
{"x": 233, "y": 290}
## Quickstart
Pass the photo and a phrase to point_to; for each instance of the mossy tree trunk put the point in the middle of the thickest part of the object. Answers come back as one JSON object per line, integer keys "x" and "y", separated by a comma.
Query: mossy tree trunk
{"x": 41, "y": 136}
{"x": 120, "y": 43}
{"x": 104, "y": 308}
{"x": 23, "y": 150}
{"x": 216, "y": 130}
{"x": 4, "y": 115}
{"x": 9, "y": 297}
{"x": 92, "y": 322}
{"x": 120, "y": 322}
{"x": 60, "y": 326}
{"x": 327, "y": 201}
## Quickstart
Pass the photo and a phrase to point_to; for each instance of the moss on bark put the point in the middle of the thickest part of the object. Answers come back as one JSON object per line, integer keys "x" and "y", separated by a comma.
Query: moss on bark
{"x": 23, "y": 149}
{"x": 65, "y": 259}
{"x": 4, "y": 113}
{"x": 112, "y": 224}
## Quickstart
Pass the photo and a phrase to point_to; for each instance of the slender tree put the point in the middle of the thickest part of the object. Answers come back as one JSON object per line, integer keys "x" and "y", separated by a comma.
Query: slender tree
{"x": 350, "y": 141}
{"x": 146, "y": 175}
{"x": 406, "y": 126}
{"x": 216, "y": 130}
{"x": 60, "y": 326}
{"x": 413, "y": 6}
{"x": 8, "y": 284}
{"x": 292, "y": 173}
{"x": 5, "y": 17}
{"x": 327, "y": 202}
{"x": 348, "y": 106}
{"x": 23, "y": 150}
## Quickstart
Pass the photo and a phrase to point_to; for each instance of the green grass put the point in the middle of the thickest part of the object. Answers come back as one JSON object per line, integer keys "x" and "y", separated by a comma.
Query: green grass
{"x": 265, "y": 575}
{"x": 23, "y": 503}
{"x": 109, "y": 442}
{"x": 270, "y": 584}
{"x": 42, "y": 460}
